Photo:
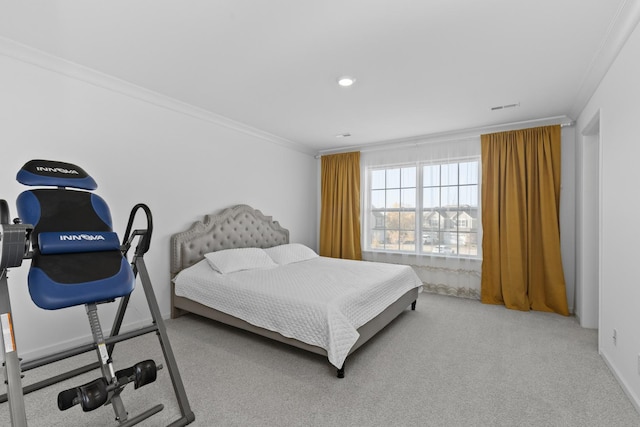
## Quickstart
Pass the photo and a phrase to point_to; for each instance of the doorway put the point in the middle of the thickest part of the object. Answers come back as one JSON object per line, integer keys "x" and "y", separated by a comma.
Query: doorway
{"x": 588, "y": 271}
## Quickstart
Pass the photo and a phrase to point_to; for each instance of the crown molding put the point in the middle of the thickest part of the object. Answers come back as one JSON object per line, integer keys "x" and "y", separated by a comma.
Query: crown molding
{"x": 29, "y": 55}
{"x": 621, "y": 27}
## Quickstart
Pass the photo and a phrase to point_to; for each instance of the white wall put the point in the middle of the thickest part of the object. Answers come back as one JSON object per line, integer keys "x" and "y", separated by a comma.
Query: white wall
{"x": 181, "y": 165}
{"x": 568, "y": 213}
{"x": 617, "y": 100}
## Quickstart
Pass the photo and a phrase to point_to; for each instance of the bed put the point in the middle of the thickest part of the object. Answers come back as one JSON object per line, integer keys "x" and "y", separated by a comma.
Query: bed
{"x": 323, "y": 305}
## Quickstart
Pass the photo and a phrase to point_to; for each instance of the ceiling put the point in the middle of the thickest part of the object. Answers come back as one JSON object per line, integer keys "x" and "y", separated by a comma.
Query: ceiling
{"x": 423, "y": 68}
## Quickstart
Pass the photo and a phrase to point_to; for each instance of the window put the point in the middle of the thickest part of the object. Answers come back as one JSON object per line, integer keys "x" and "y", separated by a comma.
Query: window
{"x": 393, "y": 205}
{"x": 424, "y": 208}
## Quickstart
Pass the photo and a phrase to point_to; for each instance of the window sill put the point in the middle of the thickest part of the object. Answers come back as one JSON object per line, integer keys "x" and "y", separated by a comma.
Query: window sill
{"x": 412, "y": 255}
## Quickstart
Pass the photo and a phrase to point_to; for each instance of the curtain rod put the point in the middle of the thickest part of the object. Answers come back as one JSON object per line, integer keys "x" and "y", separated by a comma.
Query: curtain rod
{"x": 447, "y": 136}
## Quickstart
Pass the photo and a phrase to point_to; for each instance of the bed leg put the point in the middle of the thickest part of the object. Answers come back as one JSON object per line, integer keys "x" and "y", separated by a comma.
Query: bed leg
{"x": 413, "y": 305}
{"x": 341, "y": 371}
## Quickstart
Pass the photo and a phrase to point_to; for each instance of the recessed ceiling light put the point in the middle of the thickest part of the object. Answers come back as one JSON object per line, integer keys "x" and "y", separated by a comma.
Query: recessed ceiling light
{"x": 346, "y": 81}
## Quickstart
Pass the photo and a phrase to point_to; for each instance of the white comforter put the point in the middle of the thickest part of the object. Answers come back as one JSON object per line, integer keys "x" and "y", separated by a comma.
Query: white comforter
{"x": 321, "y": 301}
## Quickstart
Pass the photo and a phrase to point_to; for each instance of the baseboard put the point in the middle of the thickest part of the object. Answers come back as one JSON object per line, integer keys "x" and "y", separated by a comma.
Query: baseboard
{"x": 635, "y": 401}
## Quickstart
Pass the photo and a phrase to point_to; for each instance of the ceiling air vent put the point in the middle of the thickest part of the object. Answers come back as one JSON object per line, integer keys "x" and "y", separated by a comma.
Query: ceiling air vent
{"x": 504, "y": 107}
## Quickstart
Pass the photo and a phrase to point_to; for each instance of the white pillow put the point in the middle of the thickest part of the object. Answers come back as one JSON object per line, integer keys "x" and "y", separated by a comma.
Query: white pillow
{"x": 230, "y": 260}
{"x": 290, "y": 253}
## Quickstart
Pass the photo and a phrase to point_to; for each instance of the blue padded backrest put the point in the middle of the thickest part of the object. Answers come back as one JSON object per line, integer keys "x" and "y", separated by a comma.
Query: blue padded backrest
{"x": 55, "y": 174}
{"x": 54, "y": 209}
{"x": 78, "y": 259}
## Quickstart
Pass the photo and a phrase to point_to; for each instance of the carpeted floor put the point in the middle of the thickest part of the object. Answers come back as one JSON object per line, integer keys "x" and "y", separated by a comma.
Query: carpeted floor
{"x": 452, "y": 362}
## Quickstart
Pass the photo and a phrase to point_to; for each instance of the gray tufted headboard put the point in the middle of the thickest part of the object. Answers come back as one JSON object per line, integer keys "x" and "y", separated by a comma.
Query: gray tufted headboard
{"x": 240, "y": 226}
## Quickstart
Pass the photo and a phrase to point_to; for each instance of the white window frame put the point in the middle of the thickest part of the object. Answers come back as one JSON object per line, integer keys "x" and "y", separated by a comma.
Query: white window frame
{"x": 369, "y": 222}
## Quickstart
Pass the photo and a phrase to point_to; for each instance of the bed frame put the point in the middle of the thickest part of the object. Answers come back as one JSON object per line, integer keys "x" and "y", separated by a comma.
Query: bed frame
{"x": 242, "y": 226}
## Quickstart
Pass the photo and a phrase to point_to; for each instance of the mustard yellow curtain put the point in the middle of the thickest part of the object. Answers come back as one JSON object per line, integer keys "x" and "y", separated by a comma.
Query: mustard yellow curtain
{"x": 340, "y": 206}
{"x": 522, "y": 265}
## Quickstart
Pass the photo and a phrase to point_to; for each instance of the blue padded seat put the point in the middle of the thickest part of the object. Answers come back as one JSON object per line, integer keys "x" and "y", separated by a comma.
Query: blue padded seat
{"x": 85, "y": 264}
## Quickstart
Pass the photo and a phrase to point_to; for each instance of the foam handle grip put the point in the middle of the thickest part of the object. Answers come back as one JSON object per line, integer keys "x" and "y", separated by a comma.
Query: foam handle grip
{"x": 77, "y": 241}
{"x": 68, "y": 398}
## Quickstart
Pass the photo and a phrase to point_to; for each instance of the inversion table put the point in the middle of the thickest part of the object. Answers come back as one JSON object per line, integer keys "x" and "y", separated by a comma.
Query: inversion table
{"x": 77, "y": 259}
